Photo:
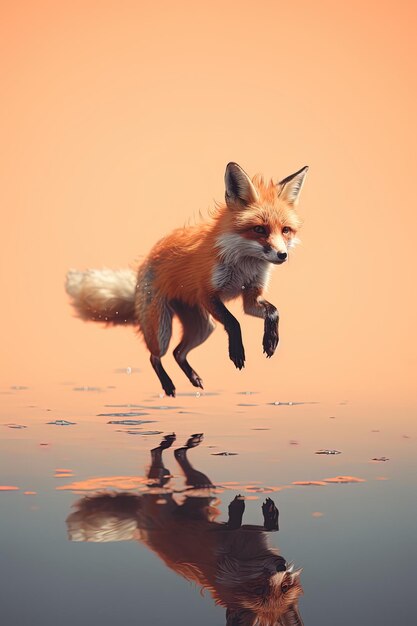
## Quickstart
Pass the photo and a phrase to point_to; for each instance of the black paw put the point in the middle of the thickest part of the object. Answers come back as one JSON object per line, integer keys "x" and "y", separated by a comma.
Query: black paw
{"x": 237, "y": 353}
{"x": 270, "y": 513}
{"x": 167, "y": 441}
{"x": 169, "y": 390}
{"x": 194, "y": 440}
{"x": 270, "y": 338}
{"x": 196, "y": 380}
{"x": 236, "y": 510}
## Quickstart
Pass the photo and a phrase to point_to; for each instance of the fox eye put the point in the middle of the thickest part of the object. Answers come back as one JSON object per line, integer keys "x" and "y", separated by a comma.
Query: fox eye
{"x": 284, "y": 587}
{"x": 286, "y": 230}
{"x": 261, "y": 230}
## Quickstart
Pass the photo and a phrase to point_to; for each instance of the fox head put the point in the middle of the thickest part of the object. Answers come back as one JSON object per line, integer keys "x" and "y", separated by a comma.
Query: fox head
{"x": 265, "y": 593}
{"x": 268, "y": 601}
{"x": 262, "y": 217}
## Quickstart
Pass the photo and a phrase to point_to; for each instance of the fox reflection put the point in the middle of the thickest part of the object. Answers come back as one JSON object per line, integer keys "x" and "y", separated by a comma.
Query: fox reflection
{"x": 232, "y": 561}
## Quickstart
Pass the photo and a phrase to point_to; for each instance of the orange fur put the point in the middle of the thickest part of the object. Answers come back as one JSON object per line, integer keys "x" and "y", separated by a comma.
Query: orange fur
{"x": 183, "y": 261}
{"x": 194, "y": 270}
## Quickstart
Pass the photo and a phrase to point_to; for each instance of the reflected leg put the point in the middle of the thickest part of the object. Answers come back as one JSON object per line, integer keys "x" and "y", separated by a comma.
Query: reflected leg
{"x": 271, "y": 514}
{"x": 236, "y": 510}
{"x": 157, "y": 471}
{"x": 192, "y": 476}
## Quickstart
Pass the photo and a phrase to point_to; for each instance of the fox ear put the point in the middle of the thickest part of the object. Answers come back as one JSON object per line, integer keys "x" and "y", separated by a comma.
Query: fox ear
{"x": 239, "y": 187}
{"x": 289, "y": 188}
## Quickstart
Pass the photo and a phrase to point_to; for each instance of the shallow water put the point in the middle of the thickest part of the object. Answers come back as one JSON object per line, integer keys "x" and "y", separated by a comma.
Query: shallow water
{"x": 348, "y": 521}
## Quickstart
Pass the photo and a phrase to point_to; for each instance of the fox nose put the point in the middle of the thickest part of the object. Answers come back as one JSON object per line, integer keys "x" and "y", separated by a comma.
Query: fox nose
{"x": 282, "y": 256}
{"x": 281, "y": 564}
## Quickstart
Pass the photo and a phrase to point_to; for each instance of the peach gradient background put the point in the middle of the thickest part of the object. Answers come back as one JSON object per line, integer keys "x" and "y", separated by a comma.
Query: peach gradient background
{"x": 117, "y": 120}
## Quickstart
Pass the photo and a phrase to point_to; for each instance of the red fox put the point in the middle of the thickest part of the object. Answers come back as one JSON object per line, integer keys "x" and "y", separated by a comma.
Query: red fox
{"x": 232, "y": 561}
{"x": 192, "y": 272}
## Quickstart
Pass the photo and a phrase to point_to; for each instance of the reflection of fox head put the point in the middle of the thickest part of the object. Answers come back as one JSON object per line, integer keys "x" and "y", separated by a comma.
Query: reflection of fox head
{"x": 240, "y": 570}
{"x": 268, "y": 600}
{"x": 232, "y": 561}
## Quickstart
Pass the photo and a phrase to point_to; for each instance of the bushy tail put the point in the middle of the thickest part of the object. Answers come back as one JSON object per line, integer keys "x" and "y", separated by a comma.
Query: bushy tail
{"x": 103, "y": 295}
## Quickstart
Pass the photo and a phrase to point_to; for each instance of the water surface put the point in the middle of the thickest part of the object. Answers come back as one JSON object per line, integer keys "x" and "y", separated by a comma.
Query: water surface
{"x": 347, "y": 520}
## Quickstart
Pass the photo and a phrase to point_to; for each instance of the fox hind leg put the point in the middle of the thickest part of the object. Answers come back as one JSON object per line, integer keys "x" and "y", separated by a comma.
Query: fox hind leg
{"x": 197, "y": 327}
{"x": 165, "y": 380}
{"x": 157, "y": 331}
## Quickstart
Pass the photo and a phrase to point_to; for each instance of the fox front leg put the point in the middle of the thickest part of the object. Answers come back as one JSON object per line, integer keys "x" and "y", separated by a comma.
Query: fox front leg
{"x": 254, "y": 304}
{"x": 220, "y": 313}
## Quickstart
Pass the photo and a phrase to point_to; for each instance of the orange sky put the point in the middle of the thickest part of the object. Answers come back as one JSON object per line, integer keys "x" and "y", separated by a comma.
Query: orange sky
{"x": 117, "y": 120}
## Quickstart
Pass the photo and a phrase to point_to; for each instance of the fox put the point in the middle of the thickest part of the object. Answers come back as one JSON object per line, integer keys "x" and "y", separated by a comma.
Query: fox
{"x": 192, "y": 272}
{"x": 231, "y": 560}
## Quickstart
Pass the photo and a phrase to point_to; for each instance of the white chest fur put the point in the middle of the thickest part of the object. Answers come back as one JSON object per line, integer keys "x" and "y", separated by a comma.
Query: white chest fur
{"x": 241, "y": 264}
{"x": 231, "y": 279}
